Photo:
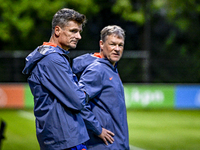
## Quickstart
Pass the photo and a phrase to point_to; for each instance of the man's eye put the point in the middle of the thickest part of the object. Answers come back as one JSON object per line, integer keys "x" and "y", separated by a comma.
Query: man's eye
{"x": 74, "y": 31}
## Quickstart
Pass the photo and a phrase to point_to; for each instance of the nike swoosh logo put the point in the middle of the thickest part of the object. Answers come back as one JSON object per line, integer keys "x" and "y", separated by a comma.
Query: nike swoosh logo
{"x": 110, "y": 78}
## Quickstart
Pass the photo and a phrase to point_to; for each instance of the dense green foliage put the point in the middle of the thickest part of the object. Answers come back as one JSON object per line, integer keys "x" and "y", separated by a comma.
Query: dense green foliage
{"x": 24, "y": 24}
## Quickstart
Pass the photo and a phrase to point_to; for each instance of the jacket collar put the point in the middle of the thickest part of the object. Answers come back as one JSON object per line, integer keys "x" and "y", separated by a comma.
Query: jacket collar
{"x": 107, "y": 62}
{"x": 54, "y": 46}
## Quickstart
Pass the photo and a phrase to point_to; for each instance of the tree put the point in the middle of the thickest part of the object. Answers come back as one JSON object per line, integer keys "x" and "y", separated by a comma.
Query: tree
{"x": 173, "y": 26}
{"x": 24, "y": 24}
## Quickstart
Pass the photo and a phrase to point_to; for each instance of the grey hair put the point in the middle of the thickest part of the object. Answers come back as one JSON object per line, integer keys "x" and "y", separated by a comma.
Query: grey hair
{"x": 112, "y": 29}
{"x": 64, "y": 15}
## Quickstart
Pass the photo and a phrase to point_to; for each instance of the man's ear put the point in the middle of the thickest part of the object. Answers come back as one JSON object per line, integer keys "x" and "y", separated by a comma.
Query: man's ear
{"x": 57, "y": 31}
{"x": 101, "y": 44}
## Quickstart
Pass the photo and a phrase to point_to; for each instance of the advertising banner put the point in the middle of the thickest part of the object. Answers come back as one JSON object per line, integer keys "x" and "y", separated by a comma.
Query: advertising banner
{"x": 188, "y": 96}
{"x": 136, "y": 96}
{"x": 149, "y": 96}
{"x": 29, "y": 102}
{"x": 11, "y": 96}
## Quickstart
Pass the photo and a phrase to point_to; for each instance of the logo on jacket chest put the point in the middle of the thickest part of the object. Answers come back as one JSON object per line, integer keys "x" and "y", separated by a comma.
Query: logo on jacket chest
{"x": 110, "y": 78}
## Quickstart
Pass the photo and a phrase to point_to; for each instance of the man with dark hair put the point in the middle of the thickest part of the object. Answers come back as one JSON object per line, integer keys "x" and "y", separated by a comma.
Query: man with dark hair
{"x": 57, "y": 98}
{"x": 105, "y": 113}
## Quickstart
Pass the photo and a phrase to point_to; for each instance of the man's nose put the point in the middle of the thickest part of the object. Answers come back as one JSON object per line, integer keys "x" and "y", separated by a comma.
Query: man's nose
{"x": 117, "y": 48}
{"x": 78, "y": 35}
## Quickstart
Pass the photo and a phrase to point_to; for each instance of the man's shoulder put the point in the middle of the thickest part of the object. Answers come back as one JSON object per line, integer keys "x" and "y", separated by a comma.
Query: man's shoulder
{"x": 96, "y": 67}
{"x": 54, "y": 58}
{"x": 96, "y": 64}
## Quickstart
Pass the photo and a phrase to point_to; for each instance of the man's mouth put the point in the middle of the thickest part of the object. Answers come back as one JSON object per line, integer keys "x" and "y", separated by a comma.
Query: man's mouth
{"x": 75, "y": 42}
{"x": 116, "y": 54}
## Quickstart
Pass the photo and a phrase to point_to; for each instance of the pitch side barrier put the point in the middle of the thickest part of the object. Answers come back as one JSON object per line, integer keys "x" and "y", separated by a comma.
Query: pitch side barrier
{"x": 138, "y": 96}
{"x": 177, "y": 96}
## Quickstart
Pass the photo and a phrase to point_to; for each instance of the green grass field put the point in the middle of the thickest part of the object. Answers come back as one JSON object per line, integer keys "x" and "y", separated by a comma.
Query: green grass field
{"x": 148, "y": 130}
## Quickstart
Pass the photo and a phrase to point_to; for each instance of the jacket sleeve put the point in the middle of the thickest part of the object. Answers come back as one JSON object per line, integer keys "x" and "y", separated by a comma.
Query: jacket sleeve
{"x": 91, "y": 83}
{"x": 90, "y": 120}
{"x": 57, "y": 77}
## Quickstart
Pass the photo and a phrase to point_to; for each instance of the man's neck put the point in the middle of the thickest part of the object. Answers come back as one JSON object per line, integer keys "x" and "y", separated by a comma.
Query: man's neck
{"x": 54, "y": 40}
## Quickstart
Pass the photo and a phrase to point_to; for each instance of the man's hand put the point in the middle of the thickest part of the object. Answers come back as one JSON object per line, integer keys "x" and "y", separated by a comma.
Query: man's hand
{"x": 107, "y": 135}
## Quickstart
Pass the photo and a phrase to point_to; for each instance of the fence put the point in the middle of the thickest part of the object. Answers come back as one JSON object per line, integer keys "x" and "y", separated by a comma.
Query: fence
{"x": 134, "y": 67}
{"x": 12, "y": 64}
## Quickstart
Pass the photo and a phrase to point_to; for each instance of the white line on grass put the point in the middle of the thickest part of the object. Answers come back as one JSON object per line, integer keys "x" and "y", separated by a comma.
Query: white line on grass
{"x": 26, "y": 115}
{"x": 135, "y": 148}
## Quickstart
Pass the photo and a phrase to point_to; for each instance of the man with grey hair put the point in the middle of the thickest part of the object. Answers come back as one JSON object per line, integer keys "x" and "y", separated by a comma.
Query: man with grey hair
{"x": 57, "y": 98}
{"x": 105, "y": 113}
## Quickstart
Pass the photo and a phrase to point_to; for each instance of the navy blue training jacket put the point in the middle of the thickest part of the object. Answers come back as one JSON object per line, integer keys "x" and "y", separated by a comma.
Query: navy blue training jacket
{"x": 106, "y": 107}
{"x": 57, "y": 99}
